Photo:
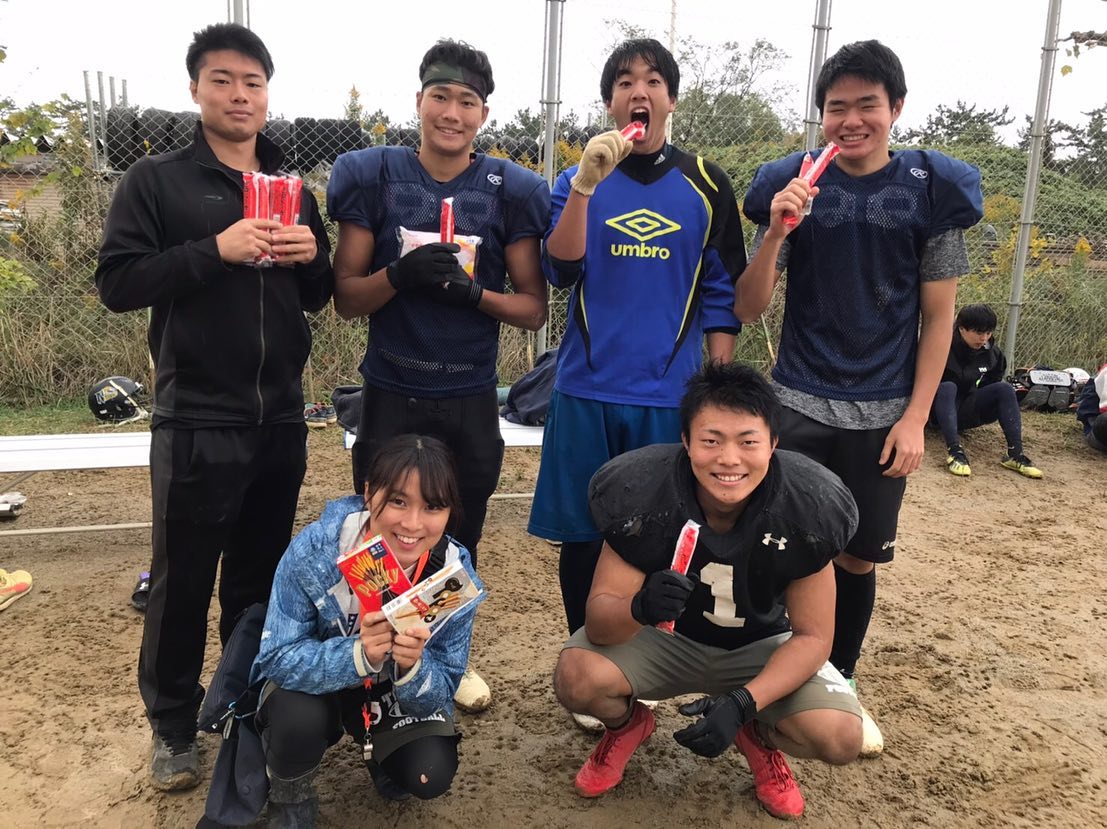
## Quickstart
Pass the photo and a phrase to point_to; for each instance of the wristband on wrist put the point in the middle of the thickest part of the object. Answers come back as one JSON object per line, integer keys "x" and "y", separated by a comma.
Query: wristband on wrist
{"x": 747, "y": 707}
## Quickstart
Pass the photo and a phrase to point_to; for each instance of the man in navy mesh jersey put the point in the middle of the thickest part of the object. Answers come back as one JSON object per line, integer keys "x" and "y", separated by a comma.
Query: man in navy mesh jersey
{"x": 430, "y": 362}
{"x": 872, "y": 279}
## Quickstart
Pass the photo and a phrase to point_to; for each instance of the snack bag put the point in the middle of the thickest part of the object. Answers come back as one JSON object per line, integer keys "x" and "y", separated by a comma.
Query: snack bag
{"x": 466, "y": 257}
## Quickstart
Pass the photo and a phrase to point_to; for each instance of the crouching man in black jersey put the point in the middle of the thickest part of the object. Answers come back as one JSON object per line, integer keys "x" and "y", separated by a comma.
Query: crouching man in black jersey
{"x": 754, "y": 615}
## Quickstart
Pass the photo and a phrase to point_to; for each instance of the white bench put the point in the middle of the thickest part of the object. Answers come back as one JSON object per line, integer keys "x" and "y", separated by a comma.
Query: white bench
{"x": 25, "y": 455}
{"x": 44, "y": 453}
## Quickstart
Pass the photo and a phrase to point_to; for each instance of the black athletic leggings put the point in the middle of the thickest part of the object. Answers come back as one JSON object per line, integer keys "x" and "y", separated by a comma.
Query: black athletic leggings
{"x": 988, "y": 404}
{"x": 576, "y": 568}
{"x": 297, "y": 728}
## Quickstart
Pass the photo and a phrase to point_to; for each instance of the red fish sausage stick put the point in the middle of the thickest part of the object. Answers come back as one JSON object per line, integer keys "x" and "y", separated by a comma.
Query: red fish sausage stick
{"x": 810, "y": 173}
{"x": 447, "y": 220}
{"x": 633, "y": 131}
{"x": 682, "y": 557}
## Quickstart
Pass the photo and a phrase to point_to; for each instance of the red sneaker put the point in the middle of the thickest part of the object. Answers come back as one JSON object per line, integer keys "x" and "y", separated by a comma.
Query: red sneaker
{"x": 772, "y": 778}
{"x": 603, "y": 770}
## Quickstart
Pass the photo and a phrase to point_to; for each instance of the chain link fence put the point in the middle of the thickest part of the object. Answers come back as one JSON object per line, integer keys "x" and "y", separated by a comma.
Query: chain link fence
{"x": 57, "y": 339}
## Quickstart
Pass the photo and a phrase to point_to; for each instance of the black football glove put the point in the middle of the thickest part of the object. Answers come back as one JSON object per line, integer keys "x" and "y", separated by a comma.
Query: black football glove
{"x": 715, "y": 731}
{"x": 459, "y": 291}
{"x": 662, "y": 597}
{"x": 426, "y": 265}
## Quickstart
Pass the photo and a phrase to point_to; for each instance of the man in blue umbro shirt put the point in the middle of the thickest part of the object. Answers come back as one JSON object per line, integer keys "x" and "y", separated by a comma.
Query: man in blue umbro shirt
{"x": 648, "y": 238}
{"x": 430, "y": 361}
{"x": 872, "y": 279}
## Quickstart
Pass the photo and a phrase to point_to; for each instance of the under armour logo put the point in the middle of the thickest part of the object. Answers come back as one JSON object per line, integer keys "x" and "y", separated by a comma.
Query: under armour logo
{"x": 495, "y": 179}
{"x": 917, "y": 173}
{"x": 888, "y": 544}
{"x": 779, "y": 542}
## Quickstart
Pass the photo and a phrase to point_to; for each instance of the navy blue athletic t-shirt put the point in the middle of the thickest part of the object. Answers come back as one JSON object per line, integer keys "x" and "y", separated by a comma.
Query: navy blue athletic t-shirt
{"x": 417, "y": 346}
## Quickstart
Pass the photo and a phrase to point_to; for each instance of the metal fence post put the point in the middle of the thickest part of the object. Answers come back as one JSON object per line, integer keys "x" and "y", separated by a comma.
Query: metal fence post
{"x": 1030, "y": 193}
{"x": 551, "y": 100}
{"x": 820, "y": 31}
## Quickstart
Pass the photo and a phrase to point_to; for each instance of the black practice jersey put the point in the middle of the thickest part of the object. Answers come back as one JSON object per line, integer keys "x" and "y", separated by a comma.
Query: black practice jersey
{"x": 795, "y": 522}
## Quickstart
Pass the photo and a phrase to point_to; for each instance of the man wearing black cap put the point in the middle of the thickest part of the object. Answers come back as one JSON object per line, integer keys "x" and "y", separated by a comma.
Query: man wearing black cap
{"x": 430, "y": 362}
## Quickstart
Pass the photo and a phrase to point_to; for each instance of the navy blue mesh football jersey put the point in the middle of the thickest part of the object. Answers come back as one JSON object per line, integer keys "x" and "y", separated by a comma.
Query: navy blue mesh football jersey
{"x": 795, "y": 522}
{"x": 851, "y": 317}
{"x": 417, "y": 346}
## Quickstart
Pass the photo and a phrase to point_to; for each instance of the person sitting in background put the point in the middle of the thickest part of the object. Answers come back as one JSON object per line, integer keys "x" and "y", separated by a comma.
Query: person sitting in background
{"x": 1091, "y": 410}
{"x": 973, "y": 392}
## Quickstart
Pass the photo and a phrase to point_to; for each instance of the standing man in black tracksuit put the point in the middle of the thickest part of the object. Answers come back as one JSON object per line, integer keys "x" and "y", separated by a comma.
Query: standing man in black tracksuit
{"x": 229, "y": 343}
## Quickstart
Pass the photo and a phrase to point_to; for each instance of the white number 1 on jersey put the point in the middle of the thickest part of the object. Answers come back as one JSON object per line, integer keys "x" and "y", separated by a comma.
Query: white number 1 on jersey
{"x": 720, "y": 577}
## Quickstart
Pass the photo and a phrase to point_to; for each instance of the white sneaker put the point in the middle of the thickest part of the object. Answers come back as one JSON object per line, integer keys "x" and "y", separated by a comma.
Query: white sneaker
{"x": 872, "y": 741}
{"x": 472, "y": 695}
{"x": 649, "y": 703}
{"x": 586, "y": 722}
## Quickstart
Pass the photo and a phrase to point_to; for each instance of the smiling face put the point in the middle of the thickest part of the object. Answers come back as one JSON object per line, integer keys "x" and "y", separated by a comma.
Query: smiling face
{"x": 449, "y": 116}
{"x": 233, "y": 95}
{"x": 858, "y": 117}
{"x": 641, "y": 94}
{"x": 730, "y": 453}
{"x": 403, "y": 517}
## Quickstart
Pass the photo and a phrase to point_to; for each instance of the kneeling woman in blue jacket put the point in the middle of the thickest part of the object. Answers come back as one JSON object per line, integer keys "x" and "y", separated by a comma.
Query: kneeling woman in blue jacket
{"x": 318, "y": 650}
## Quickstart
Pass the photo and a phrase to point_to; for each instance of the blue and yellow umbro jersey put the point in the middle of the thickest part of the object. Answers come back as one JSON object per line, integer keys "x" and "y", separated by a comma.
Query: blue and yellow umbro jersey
{"x": 664, "y": 250}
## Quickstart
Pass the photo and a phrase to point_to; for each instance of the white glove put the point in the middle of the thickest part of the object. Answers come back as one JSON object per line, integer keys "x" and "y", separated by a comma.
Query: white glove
{"x": 601, "y": 154}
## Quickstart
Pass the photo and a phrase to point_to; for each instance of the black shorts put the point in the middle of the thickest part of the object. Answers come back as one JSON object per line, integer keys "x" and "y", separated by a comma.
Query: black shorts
{"x": 469, "y": 426}
{"x": 852, "y": 455}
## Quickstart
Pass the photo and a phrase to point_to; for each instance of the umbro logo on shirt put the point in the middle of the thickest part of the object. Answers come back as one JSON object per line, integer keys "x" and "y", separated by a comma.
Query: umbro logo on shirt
{"x": 917, "y": 173}
{"x": 495, "y": 179}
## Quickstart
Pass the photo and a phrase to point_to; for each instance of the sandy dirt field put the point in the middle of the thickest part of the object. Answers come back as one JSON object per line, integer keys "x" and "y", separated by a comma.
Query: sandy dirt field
{"x": 985, "y": 667}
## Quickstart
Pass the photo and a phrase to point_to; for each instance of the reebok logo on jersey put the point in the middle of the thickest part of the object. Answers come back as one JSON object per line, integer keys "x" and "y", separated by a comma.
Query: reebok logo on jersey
{"x": 917, "y": 173}
{"x": 780, "y": 543}
{"x": 495, "y": 179}
{"x": 642, "y": 225}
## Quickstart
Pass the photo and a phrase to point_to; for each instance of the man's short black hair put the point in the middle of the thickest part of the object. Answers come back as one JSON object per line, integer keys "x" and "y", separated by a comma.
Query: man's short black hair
{"x": 977, "y": 318}
{"x": 656, "y": 56}
{"x": 869, "y": 60}
{"x": 734, "y": 386}
{"x": 460, "y": 53}
{"x": 220, "y": 36}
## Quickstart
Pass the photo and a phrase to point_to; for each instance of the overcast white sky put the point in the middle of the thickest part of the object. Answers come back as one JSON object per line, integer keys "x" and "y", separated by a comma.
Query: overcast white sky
{"x": 985, "y": 52}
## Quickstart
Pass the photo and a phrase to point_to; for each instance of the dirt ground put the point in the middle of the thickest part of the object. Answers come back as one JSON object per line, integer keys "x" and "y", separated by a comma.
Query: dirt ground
{"x": 985, "y": 667}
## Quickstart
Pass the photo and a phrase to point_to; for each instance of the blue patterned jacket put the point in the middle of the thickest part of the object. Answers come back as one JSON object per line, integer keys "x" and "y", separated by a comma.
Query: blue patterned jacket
{"x": 310, "y": 643}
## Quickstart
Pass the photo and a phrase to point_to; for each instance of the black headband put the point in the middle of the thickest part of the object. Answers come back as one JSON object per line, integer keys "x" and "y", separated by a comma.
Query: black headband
{"x": 444, "y": 73}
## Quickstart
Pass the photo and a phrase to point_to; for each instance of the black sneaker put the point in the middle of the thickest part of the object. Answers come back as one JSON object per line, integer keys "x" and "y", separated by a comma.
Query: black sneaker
{"x": 958, "y": 462}
{"x": 174, "y": 761}
{"x": 302, "y": 815}
{"x": 141, "y": 595}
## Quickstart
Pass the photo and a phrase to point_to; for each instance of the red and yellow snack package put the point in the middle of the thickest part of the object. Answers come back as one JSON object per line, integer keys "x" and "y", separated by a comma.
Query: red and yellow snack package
{"x": 371, "y": 568}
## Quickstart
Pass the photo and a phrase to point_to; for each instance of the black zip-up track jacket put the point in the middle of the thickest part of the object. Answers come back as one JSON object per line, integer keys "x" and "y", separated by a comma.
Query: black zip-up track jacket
{"x": 970, "y": 369}
{"x": 229, "y": 341}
